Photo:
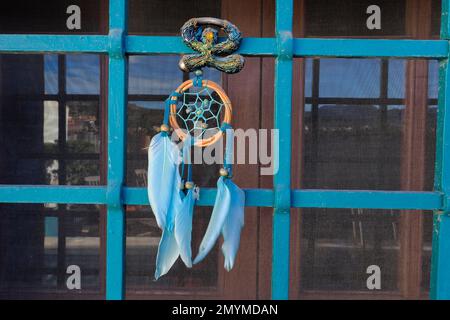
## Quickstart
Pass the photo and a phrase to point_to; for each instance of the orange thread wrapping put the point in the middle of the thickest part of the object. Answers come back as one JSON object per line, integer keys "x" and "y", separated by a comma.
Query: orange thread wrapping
{"x": 225, "y": 100}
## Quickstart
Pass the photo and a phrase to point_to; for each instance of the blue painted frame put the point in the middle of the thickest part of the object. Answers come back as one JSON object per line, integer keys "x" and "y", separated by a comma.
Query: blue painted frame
{"x": 117, "y": 45}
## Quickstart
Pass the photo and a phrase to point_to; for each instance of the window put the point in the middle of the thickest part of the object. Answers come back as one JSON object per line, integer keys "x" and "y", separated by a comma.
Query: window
{"x": 52, "y": 124}
{"x": 355, "y": 183}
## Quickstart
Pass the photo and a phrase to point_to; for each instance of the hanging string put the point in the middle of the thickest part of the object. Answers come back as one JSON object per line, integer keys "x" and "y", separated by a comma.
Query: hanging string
{"x": 169, "y": 101}
{"x": 229, "y": 147}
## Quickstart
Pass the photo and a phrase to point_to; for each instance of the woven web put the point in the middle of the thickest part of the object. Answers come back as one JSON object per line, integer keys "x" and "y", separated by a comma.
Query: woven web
{"x": 200, "y": 112}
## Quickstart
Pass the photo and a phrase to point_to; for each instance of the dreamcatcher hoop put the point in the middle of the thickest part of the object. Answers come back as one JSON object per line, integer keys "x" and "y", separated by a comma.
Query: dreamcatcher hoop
{"x": 227, "y": 118}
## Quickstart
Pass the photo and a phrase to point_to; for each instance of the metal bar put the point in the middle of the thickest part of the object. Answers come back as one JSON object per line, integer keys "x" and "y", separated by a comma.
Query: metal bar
{"x": 366, "y": 199}
{"x": 253, "y": 197}
{"x": 117, "y": 91}
{"x": 304, "y": 198}
{"x": 52, "y": 194}
{"x": 15, "y": 43}
{"x": 175, "y": 45}
{"x": 365, "y": 48}
{"x": 282, "y": 123}
{"x": 440, "y": 261}
{"x": 303, "y": 47}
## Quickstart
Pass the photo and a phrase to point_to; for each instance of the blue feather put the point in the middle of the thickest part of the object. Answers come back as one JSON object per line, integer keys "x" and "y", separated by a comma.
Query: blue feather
{"x": 177, "y": 213}
{"x": 168, "y": 253}
{"x": 168, "y": 250}
{"x": 231, "y": 230}
{"x": 162, "y": 170}
{"x": 183, "y": 227}
{"x": 218, "y": 216}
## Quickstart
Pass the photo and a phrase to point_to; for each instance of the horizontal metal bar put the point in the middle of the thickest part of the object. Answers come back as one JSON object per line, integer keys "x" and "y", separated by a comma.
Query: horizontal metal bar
{"x": 309, "y": 198}
{"x": 306, "y": 198}
{"x": 52, "y": 194}
{"x": 310, "y": 47}
{"x": 304, "y": 47}
{"x": 253, "y": 197}
{"x": 53, "y": 43}
{"x": 367, "y": 199}
{"x": 175, "y": 45}
{"x": 315, "y": 47}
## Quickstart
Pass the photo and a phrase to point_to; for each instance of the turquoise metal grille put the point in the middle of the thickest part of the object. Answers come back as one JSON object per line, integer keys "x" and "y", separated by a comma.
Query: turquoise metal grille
{"x": 117, "y": 45}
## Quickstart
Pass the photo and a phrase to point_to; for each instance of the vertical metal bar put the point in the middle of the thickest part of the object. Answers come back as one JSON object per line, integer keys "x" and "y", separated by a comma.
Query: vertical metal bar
{"x": 62, "y": 171}
{"x": 440, "y": 262}
{"x": 282, "y": 122}
{"x": 117, "y": 90}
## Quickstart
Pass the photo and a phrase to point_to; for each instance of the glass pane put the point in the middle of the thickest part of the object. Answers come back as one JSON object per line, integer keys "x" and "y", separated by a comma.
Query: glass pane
{"x": 436, "y": 17}
{"x": 338, "y": 245}
{"x": 51, "y": 125}
{"x": 350, "y": 78}
{"x": 83, "y": 172}
{"x": 430, "y": 150}
{"x": 51, "y": 73}
{"x": 348, "y": 148}
{"x": 49, "y": 16}
{"x": 154, "y": 74}
{"x": 426, "y": 250}
{"x": 167, "y": 16}
{"x": 41, "y": 128}
{"x": 144, "y": 118}
{"x": 349, "y": 18}
{"x": 396, "y": 78}
{"x": 433, "y": 79}
{"x": 143, "y": 237}
{"x": 353, "y": 123}
{"x": 83, "y": 74}
{"x": 39, "y": 242}
{"x": 83, "y": 128}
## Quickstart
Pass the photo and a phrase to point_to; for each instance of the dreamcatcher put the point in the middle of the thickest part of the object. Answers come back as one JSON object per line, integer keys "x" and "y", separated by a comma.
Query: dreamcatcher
{"x": 199, "y": 112}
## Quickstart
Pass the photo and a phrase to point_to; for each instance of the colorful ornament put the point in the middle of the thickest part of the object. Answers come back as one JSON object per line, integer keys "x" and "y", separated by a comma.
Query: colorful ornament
{"x": 200, "y": 112}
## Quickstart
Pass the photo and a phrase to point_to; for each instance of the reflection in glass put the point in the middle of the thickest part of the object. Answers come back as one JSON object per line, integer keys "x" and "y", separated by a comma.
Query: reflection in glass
{"x": 49, "y": 238}
{"x": 339, "y": 244}
{"x": 338, "y": 78}
{"x": 40, "y": 128}
{"x": 396, "y": 78}
{"x": 49, "y": 16}
{"x": 82, "y": 130}
{"x": 153, "y": 74}
{"x": 83, "y": 74}
{"x": 349, "y": 18}
{"x": 51, "y": 73}
{"x": 353, "y": 147}
{"x": 83, "y": 172}
{"x": 433, "y": 79}
{"x": 158, "y": 17}
{"x": 142, "y": 241}
{"x": 352, "y": 140}
{"x": 51, "y": 125}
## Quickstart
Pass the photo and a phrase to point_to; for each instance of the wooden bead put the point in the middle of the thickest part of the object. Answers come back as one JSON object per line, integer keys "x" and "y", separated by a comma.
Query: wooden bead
{"x": 165, "y": 128}
{"x": 189, "y": 185}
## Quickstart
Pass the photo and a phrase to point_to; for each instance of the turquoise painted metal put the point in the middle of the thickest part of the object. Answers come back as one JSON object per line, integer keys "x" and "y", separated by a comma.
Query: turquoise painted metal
{"x": 282, "y": 160}
{"x": 305, "y": 198}
{"x": 117, "y": 102}
{"x": 440, "y": 261}
{"x": 117, "y": 44}
{"x": 428, "y": 49}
